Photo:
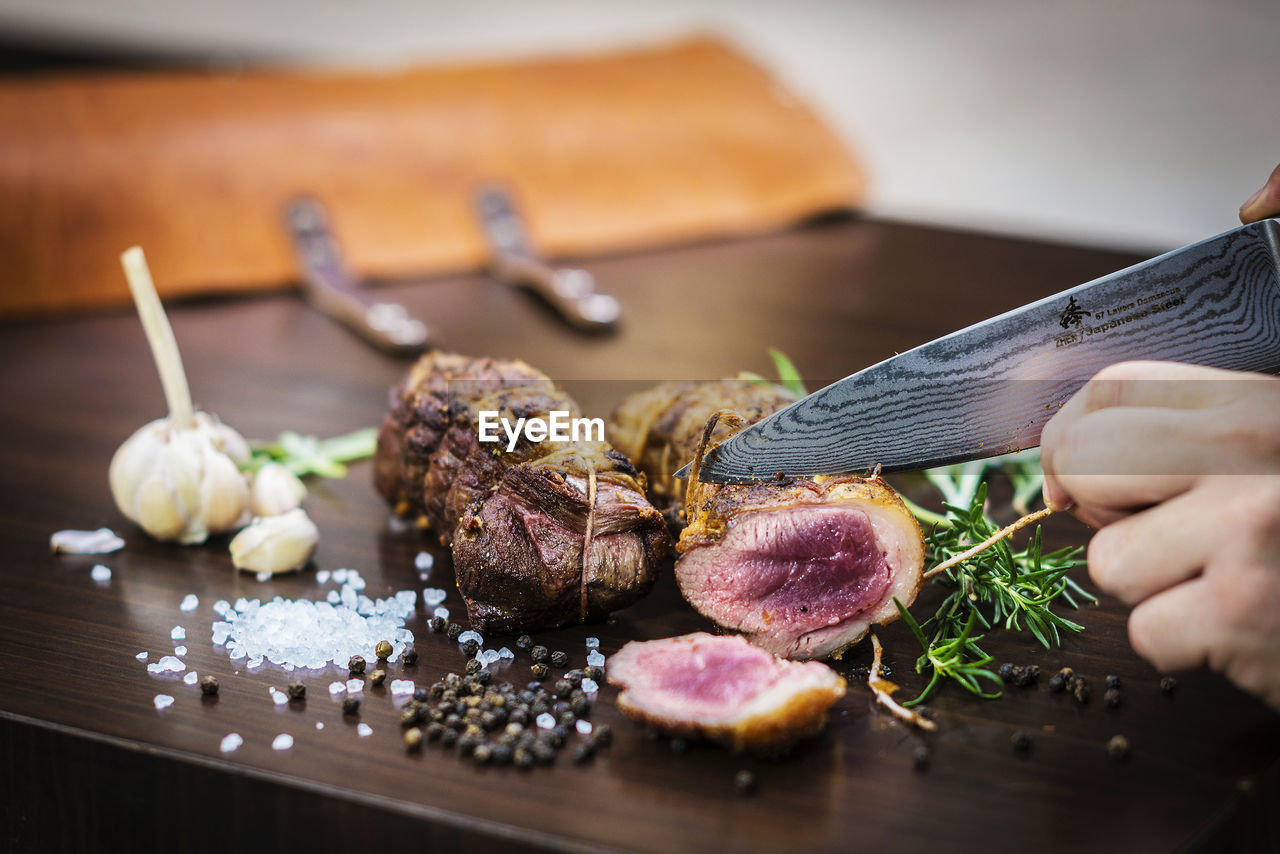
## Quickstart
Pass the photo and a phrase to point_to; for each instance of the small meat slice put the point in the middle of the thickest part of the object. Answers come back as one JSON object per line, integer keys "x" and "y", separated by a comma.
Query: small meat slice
{"x": 722, "y": 688}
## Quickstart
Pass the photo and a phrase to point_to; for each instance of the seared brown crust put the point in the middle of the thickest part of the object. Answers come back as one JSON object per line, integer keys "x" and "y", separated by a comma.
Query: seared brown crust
{"x": 546, "y": 534}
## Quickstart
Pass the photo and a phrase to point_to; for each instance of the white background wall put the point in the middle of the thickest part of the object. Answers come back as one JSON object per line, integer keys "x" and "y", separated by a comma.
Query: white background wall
{"x": 1133, "y": 123}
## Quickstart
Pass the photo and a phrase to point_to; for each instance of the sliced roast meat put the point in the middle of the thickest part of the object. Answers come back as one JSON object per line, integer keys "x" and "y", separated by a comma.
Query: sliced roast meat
{"x": 803, "y": 567}
{"x": 546, "y": 534}
{"x": 722, "y": 688}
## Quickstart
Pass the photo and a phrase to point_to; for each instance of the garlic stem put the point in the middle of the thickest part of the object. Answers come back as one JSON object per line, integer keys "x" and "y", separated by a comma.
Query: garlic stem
{"x": 164, "y": 348}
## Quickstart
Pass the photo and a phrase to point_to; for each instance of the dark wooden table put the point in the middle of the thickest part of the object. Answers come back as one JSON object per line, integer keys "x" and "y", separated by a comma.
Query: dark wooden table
{"x": 89, "y": 763}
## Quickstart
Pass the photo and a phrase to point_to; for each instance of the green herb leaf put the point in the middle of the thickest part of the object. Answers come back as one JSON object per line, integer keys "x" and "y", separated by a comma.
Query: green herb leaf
{"x": 310, "y": 455}
{"x": 787, "y": 373}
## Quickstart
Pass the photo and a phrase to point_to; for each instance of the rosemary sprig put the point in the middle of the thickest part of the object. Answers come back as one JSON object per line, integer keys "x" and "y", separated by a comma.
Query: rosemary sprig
{"x": 998, "y": 588}
{"x": 307, "y": 455}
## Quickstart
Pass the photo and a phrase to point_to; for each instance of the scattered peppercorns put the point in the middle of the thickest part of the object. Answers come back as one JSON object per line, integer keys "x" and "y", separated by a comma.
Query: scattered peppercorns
{"x": 413, "y": 739}
{"x": 377, "y": 677}
{"x": 524, "y": 642}
{"x": 454, "y": 631}
{"x": 297, "y": 691}
{"x": 1118, "y": 748}
{"x": 744, "y": 782}
{"x": 383, "y": 650}
{"x": 559, "y": 659}
{"x": 410, "y": 657}
{"x": 1168, "y": 685}
{"x": 1081, "y": 690}
{"x": 356, "y": 664}
{"x": 1021, "y": 742}
{"x": 438, "y": 624}
{"x": 472, "y": 666}
{"x": 351, "y": 706}
{"x": 470, "y": 647}
{"x": 594, "y": 672}
{"x": 539, "y": 653}
{"x": 539, "y": 670}
{"x": 1019, "y": 675}
{"x": 209, "y": 686}
{"x": 1113, "y": 681}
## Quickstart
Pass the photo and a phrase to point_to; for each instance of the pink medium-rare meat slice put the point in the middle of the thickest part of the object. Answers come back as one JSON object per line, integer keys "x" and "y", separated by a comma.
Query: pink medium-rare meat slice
{"x": 803, "y": 570}
{"x": 803, "y": 567}
{"x": 722, "y": 688}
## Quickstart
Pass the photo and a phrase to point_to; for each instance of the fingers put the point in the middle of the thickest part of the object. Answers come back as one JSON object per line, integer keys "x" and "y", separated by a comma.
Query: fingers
{"x": 1265, "y": 202}
{"x": 1152, "y": 551}
{"x": 1176, "y": 629}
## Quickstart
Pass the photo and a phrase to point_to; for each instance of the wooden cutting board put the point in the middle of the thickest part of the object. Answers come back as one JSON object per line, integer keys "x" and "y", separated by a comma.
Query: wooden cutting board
{"x": 604, "y": 152}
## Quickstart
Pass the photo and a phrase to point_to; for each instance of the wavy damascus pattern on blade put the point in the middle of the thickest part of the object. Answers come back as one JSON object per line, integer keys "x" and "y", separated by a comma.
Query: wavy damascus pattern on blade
{"x": 990, "y": 388}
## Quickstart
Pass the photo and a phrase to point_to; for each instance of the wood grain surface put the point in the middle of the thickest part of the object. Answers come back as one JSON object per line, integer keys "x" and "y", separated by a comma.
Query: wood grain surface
{"x": 90, "y": 764}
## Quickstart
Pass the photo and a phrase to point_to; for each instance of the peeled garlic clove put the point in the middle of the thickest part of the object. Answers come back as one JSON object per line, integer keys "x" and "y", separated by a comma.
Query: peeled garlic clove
{"x": 275, "y": 543}
{"x": 275, "y": 490}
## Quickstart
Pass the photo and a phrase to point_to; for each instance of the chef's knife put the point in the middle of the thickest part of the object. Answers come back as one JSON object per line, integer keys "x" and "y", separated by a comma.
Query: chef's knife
{"x": 990, "y": 388}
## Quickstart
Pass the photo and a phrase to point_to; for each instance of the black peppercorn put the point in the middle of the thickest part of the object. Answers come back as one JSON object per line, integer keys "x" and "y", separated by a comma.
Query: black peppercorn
{"x": 580, "y": 706}
{"x": 920, "y": 757}
{"x": 421, "y": 694}
{"x": 539, "y": 653}
{"x": 522, "y": 757}
{"x": 594, "y": 673}
{"x": 470, "y": 647}
{"x": 410, "y": 657}
{"x": 1024, "y": 676}
{"x": 454, "y": 630}
{"x": 1118, "y": 748}
{"x": 1168, "y": 685}
{"x": 351, "y": 706}
{"x": 1114, "y": 682}
{"x": 561, "y": 688}
{"x": 603, "y": 735}
{"x": 559, "y": 659}
{"x": 559, "y": 735}
{"x": 543, "y": 752}
{"x": 297, "y": 691}
{"x": 482, "y": 753}
{"x": 1081, "y": 691}
{"x": 524, "y": 642}
{"x": 539, "y": 670}
{"x": 449, "y": 737}
{"x": 413, "y": 739}
{"x": 573, "y": 677}
{"x": 1006, "y": 671}
{"x": 438, "y": 624}
{"x": 382, "y": 650}
{"x": 502, "y": 754}
{"x": 434, "y": 730}
{"x": 1057, "y": 684}
{"x": 377, "y": 677}
{"x": 209, "y": 686}
{"x": 583, "y": 751}
{"x": 356, "y": 664}
{"x": 1113, "y": 698}
{"x": 472, "y": 666}
{"x": 1021, "y": 742}
{"x": 744, "y": 782}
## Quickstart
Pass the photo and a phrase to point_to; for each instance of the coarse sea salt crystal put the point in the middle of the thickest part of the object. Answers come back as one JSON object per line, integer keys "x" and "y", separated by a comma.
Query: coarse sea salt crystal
{"x": 595, "y": 658}
{"x": 167, "y": 664}
{"x": 593, "y": 643}
{"x": 583, "y": 727}
{"x": 163, "y": 701}
{"x": 278, "y": 697}
{"x": 442, "y": 612}
{"x": 354, "y": 686}
{"x": 339, "y": 576}
{"x": 100, "y": 573}
{"x": 506, "y": 653}
{"x": 191, "y": 678}
{"x": 491, "y": 655}
{"x": 283, "y": 741}
{"x": 230, "y": 742}
{"x": 364, "y": 729}
{"x": 471, "y": 634}
{"x": 189, "y": 602}
{"x": 142, "y": 656}
{"x": 545, "y": 721}
{"x": 179, "y": 650}
{"x": 263, "y": 576}
{"x": 333, "y": 598}
{"x": 319, "y": 724}
{"x": 424, "y": 561}
{"x": 407, "y": 598}
{"x": 433, "y": 596}
{"x": 178, "y": 633}
{"x": 590, "y": 686}
{"x": 336, "y": 688}
{"x": 322, "y": 576}
{"x": 401, "y": 686}
{"x": 221, "y": 607}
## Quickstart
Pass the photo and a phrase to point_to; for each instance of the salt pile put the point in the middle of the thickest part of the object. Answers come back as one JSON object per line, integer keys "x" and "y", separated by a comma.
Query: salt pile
{"x": 302, "y": 633}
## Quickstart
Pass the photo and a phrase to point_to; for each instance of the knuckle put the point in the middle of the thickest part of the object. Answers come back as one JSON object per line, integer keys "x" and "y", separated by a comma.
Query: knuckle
{"x": 1145, "y": 640}
{"x": 1100, "y": 557}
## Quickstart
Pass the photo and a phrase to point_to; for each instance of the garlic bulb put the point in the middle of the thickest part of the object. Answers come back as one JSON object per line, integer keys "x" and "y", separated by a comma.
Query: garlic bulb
{"x": 178, "y": 477}
{"x": 276, "y": 543}
{"x": 182, "y": 484}
{"x": 275, "y": 490}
